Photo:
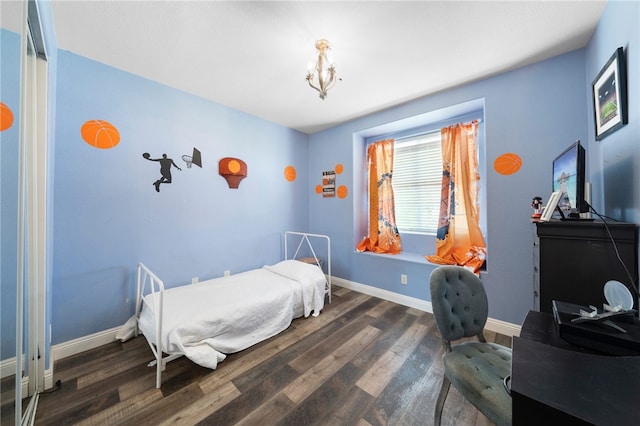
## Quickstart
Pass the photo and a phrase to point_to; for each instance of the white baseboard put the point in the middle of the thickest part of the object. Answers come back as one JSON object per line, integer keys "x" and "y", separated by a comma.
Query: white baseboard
{"x": 25, "y": 386}
{"x": 401, "y": 299}
{"x": 497, "y": 326}
{"x": 48, "y": 378}
{"x": 8, "y": 367}
{"x": 81, "y": 344}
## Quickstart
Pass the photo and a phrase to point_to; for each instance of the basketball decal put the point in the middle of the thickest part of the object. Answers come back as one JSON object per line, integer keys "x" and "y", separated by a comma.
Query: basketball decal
{"x": 339, "y": 169}
{"x": 290, "y": 173}
{"x": 342, "y": 191}
{"x": 6, "y": 117}
{"x": 507, "y": 164}
{"x": 100, "y": 134}
{"x": 318, "y": 189}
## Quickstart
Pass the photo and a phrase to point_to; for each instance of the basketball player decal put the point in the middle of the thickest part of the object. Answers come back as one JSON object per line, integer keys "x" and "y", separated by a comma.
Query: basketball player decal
{"x": 165, "y": 169}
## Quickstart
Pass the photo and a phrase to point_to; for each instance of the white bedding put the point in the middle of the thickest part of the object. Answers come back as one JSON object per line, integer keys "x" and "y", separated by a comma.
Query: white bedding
{"x": 207, "y": 320}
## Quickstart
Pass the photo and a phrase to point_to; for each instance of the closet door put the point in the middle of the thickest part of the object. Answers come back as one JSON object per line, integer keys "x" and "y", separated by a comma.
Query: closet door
{"x": 26, "y": 206}
{"x": 11, "y": 15}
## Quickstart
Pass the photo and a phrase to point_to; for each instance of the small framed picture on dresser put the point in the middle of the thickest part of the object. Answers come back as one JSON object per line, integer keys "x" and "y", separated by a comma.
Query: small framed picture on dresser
{"x": 547, "y": 213}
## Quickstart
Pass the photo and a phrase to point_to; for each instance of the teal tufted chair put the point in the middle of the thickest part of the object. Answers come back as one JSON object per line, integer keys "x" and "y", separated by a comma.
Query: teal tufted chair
{"x": 476, "y": 368}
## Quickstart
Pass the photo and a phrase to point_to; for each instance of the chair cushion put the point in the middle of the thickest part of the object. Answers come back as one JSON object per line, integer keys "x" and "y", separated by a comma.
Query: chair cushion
{"x": 477, "y": 371}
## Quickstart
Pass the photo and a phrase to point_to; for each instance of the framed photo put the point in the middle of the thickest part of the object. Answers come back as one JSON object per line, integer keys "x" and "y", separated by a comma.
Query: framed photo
{"x": 610, "y": 96}
{"x": 550, "y": 207}
{"x": 328, "y": 184}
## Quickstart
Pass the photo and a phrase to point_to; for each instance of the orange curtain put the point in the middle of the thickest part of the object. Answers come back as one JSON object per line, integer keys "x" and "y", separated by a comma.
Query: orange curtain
{"x": 459, "y": 240}
{"x": 383, "y": 232}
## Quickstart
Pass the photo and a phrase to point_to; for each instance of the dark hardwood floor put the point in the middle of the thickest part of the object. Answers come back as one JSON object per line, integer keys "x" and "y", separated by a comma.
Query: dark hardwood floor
{"x": 363, "y": 361}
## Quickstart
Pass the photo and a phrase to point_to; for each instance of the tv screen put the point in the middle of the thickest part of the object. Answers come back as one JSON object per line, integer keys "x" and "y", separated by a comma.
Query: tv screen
{"x": 569, "y": 180}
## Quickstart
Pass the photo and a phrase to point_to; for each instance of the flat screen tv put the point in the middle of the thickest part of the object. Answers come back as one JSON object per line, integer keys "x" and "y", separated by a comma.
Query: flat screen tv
{"x": 569, "y": 180}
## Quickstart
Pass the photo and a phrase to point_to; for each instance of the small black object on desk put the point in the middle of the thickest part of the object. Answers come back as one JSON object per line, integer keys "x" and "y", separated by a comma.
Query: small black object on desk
{"x": 598, "y": 334}
{"x": 554, "y": 380}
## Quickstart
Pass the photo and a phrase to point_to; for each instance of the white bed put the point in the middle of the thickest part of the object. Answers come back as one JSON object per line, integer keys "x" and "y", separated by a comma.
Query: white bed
{"x": 207, "y": 320}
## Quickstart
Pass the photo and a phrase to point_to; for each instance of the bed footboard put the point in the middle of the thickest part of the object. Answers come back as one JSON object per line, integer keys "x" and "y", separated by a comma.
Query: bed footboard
{"x": 148, "y": 283}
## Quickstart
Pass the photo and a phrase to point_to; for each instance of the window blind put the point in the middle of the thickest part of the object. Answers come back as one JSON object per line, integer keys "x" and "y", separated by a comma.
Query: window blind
{"x": 417, "y": 180}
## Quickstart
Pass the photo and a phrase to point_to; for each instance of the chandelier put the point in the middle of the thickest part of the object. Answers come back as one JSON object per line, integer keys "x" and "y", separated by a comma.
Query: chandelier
{"x": 321, "y": 74}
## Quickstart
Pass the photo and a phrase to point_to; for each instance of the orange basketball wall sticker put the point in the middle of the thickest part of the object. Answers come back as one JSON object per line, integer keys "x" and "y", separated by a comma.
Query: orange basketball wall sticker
{"x": 6, "y": 117}
{"x": 100, "y": 134}
{"x": 290, "y": 173}
{"x": 507, "y": 164}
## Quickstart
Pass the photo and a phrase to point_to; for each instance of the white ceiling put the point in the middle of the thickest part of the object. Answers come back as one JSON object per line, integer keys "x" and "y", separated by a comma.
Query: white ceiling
{"x": 252, "y": 56}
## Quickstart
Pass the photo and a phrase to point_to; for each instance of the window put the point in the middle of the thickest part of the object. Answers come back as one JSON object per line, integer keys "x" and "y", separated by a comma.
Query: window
{"x": 417, "y": 151}
{"x": 417, "y": 180}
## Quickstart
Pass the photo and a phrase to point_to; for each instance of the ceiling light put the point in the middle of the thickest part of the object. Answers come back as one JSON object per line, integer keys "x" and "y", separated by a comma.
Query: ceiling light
{"x": 321, "y": 74}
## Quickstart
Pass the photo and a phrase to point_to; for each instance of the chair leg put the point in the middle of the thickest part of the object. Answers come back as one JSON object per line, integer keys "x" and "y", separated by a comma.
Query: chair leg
{"x": 442, "y": 396}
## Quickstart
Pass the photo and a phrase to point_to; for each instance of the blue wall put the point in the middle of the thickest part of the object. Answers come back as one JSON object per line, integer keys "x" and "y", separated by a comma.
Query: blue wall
{"x": 615, "y": 160}
{"x": 108, "y": 215}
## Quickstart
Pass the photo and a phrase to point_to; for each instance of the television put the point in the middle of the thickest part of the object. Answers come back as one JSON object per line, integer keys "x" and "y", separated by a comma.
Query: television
{"x": 569, "y": 181}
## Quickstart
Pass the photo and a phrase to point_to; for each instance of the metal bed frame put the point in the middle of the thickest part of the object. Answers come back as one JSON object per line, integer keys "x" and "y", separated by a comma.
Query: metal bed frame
{"x": 147, "y": 280}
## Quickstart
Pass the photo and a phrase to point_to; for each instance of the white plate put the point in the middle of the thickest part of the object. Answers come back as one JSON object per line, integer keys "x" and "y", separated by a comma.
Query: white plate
{"x": 617, "y": 293}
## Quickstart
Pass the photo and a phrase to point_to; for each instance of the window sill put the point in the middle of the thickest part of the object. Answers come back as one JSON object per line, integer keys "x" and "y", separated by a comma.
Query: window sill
{"x": 405, "y": 256}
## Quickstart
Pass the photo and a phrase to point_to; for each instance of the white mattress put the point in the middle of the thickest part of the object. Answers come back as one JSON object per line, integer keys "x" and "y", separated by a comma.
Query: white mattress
{"x": 207, "y": 320}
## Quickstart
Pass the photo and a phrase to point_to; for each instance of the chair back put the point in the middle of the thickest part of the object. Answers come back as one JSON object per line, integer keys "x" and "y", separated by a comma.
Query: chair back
{"x": 459, "y": 302}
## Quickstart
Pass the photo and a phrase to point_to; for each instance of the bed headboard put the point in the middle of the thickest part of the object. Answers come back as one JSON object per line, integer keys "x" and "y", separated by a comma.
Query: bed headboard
{"x": 309, "y": 243}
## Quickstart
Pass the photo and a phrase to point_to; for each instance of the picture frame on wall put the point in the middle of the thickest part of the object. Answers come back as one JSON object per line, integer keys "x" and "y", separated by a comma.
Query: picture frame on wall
{"x": 610, "y": 96}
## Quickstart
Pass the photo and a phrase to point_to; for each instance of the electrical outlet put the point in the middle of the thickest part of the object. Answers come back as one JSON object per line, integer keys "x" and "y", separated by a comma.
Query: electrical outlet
{"x": 403, "y": 279}
{"x": 194, "y": 280}
{"x": 227, "y": 273}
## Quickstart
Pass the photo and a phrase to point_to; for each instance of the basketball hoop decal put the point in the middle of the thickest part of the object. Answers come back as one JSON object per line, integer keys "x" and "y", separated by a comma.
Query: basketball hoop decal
{"x": 233, "y": 170}
{"x": 194, "y": 158}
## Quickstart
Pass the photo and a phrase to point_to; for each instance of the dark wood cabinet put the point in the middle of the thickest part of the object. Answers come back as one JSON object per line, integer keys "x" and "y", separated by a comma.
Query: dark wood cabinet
{"x": 574, "y": 259}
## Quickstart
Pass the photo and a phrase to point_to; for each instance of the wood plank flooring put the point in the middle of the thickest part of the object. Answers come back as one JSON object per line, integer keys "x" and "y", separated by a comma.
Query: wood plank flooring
{"x": 363, "y": 361}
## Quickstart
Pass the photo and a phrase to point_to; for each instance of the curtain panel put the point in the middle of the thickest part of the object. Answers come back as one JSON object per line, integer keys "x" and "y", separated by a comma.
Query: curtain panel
{"x": 459, "y": 237}
{"x": 383, "y": 233}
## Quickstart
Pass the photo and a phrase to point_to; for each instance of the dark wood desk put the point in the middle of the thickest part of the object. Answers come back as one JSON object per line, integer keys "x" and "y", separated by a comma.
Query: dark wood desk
{"x": 553, "y": 380}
